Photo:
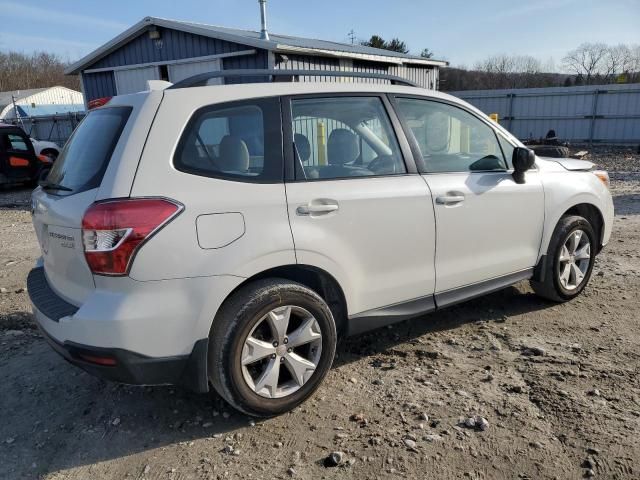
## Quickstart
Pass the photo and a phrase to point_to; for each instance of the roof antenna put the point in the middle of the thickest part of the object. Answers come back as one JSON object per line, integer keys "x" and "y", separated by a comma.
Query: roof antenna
{"x": 263, "y": 17}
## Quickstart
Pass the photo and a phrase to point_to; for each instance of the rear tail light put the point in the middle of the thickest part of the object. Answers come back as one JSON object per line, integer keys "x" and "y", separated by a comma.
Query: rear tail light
{"x": 98, "y": 102}
{"x": 113, "y": 231}
{"x": 18, "y": 162}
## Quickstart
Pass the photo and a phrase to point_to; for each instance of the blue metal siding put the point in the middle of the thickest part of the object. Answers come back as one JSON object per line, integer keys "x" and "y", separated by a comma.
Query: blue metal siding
{"x": 178, "y": 45}
{"x": 174, "y": 45}
{"x": 244, "y": 62}
{"x": 98, "y": 85}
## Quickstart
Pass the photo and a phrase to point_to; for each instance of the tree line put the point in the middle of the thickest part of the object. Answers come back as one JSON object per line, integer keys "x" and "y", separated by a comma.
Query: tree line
{"x": 597, "y": 63}
{"x": 588, "y": 64}
{"x": 19, "y": 71}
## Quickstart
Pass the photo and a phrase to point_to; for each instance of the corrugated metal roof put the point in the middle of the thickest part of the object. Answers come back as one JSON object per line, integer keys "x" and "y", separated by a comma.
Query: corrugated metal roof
{"x": 276, "y": 42}
{"x": 6, "y": 98}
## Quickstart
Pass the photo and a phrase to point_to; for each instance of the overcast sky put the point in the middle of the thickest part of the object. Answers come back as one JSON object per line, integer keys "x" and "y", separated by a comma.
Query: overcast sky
{"x": 462, "y": 32}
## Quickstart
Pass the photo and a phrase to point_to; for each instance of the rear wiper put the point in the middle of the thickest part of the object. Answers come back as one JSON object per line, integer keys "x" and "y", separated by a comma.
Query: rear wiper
{"x": 54, "y": 186}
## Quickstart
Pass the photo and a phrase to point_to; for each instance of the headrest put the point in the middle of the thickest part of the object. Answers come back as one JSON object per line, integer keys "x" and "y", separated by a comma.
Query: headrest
{"x": 302, "y": 146}
{"x": 342, "y": 147}
{"x": 234, "y": 154}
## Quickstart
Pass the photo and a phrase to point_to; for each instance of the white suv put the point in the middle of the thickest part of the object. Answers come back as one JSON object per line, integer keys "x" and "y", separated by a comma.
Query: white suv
{"x": 229, "y": 235}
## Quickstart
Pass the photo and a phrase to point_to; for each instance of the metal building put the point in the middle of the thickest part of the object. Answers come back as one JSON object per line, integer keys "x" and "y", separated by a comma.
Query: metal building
{"x": 39, "y": 102}
{"x": 161, "y": 49}
{"x": 585, "y": 114}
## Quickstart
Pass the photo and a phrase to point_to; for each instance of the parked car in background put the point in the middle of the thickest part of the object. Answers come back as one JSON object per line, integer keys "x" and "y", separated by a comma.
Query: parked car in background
{"x": 19, "y": 162}
{"x": 43, "y": 147}
{"x": 229, "y": 235}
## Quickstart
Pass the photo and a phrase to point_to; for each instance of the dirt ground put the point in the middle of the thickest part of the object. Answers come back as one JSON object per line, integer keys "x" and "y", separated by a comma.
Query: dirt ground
{"x": 559, "y": 386}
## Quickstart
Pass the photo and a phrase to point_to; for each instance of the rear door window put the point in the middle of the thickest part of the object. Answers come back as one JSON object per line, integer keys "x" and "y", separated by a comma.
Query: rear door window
{"x": 17, "y": 143}
{"x": 238, "y": 141}
{"x": 86, "y": 155}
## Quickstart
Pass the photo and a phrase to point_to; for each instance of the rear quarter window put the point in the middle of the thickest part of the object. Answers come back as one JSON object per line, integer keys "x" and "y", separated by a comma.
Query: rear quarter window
{"x": 86, "y": 155}
{"x": 239, "y": 141}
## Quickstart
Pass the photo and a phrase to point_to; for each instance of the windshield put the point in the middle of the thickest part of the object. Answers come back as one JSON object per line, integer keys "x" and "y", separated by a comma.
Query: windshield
{"x": 85, "y": 157}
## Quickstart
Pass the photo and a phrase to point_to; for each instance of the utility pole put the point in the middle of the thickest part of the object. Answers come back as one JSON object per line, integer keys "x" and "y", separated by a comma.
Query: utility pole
{"x": 352, "y": 36}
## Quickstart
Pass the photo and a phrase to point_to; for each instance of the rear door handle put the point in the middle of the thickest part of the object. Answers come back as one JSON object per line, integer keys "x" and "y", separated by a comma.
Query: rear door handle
{"x": 449, "y": 199}
{"x": 317, "y": 207}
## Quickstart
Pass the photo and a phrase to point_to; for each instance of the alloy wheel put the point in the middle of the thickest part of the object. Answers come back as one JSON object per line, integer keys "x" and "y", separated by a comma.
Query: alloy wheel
{"x": 281, "y": 352}
{"x": 574, "y": 260}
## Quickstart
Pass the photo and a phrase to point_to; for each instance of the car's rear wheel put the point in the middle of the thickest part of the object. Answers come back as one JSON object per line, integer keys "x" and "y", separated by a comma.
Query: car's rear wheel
{"x": 571, "y": 256}
{"x": 270, "y": 347}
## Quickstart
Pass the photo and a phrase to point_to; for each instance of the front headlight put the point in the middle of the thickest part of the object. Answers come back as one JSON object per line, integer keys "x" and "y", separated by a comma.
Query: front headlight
{"x": 603, "y": 176}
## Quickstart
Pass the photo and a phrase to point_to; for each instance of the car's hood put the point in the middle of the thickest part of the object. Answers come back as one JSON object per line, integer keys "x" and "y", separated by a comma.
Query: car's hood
{"x": 572, "y": 164}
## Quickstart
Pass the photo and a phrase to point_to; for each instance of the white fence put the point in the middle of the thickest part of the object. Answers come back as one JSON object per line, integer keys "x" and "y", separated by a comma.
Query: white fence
{"x": 587, "y": 114}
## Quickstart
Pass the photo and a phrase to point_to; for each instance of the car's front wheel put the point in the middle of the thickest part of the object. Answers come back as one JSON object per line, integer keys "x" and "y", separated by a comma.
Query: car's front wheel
{"x": 271, "y": 345}
{"x": 571, "y": 255}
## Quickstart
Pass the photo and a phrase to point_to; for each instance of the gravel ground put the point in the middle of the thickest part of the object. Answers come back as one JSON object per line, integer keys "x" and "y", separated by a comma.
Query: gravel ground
{"x": 506, "y": 386}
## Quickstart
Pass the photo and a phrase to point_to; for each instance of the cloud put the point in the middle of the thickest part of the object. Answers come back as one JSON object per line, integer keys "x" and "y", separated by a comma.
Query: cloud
{"x": 549, "y": 6}
{"x": 32, "y": 43}
{"x": 56, "y": 17}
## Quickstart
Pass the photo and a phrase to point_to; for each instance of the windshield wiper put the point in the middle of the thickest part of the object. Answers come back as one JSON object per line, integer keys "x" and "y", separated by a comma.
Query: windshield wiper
{"x": 54, "y": 186}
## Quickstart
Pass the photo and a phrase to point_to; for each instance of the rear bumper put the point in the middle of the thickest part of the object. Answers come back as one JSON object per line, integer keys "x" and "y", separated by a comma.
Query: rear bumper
{"x": 67, "y": 329}
{"x": 131, "y": 368}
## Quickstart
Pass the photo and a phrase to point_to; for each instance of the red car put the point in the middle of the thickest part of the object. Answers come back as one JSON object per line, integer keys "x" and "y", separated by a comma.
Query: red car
{"x": 18, "y": 160}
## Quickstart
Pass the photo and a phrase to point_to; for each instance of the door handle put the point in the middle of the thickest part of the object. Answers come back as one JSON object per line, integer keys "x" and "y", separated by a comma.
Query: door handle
{"x": 449, "y": 199}
{"x": 317, "y": 207}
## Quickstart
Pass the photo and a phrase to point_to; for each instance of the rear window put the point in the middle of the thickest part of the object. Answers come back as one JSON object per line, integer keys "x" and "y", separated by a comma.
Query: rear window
{"x": 85, "y": 157}
{"x": 237, "y": 141}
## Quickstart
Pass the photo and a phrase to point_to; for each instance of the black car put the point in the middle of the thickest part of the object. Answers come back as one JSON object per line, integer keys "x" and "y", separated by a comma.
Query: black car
{"x": 18, "y": 160}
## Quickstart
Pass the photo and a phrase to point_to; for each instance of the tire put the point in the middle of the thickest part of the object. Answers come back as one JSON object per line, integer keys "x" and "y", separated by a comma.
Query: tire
{"x": 552, "y": 287}
{"x": 247, "y": 312}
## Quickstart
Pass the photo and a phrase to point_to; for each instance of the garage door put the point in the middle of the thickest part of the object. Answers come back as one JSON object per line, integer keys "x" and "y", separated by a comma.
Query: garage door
{"x": 135, "y": 79}
{"x": 180, "y": 71}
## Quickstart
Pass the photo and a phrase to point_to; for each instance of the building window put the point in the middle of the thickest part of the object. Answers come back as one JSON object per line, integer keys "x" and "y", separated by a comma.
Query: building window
{"x": 164, "y": 73}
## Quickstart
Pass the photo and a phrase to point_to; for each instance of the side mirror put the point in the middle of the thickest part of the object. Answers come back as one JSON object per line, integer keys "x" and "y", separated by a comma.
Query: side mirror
{"x": 523, "y": 159}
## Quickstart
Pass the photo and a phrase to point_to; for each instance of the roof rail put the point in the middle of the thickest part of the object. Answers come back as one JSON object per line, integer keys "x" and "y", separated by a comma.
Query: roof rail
{"x": 285, "y": 75}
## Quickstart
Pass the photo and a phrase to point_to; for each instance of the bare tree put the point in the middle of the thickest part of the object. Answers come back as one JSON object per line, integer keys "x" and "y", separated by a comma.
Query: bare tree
{"x": 615, "y": 60}
{"x": 509, "y": 71}
{"x": 588, "y": 63}
{"x": 588, "y": 60}
{"x": 19, "y": 71}
{"x": 631, "y": 67}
